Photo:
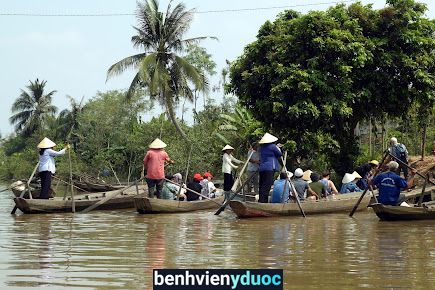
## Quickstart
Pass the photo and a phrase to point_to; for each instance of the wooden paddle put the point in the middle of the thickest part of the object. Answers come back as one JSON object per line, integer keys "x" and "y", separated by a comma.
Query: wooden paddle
{"x": 27, "y": 187}
{"x": 365, "y": 190}
{"x": 234, "y": 188}
{"x": 293, "y": 189}
{"x": 109, "y": 197}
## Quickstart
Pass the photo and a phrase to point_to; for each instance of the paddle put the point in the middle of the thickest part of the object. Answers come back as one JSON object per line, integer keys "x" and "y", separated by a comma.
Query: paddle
{"x": 365, "y": 190}
{"x": 191, "y": 190}
{"x": 293, "y": 189}
{"x": 26, "y": 188}
{"x": 107, "y": 198}
{"x": 420, "y": 200}
{"x": 234, "y": 187}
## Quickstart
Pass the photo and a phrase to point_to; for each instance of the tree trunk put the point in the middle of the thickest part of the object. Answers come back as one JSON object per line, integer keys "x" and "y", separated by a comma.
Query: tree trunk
{"x": 171, "y": 113}
{"x": 423, "y": 141}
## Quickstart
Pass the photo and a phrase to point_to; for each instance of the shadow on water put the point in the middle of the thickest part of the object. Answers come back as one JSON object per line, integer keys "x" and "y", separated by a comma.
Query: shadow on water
{"x": 119, "y": 249}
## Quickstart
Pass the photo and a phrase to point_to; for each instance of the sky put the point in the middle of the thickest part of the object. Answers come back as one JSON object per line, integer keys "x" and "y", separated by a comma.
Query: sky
{"x": 73, "y": 53}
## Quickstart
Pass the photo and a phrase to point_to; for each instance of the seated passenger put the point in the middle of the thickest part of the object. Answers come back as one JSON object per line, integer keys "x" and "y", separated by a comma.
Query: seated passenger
{"x": 316, "y": 186}
{"x": 349, "y": 184}
{"x": 301, "y": 186}
{"x": 195, "y": 186}
{"x": 328, "y": 184}
{"x": 281, "y": 189}
{"x": 208, "y": 188}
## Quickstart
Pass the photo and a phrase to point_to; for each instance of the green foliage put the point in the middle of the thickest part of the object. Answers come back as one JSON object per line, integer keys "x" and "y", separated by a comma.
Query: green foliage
{"x": 311, "y": 78}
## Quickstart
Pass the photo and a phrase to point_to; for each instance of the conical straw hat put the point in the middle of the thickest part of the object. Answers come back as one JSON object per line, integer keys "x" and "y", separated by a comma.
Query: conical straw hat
{"x": 157, "y": 144}
{"x": 356, "y": 174}
{"x": 46, "y": 143}
{"x": 227, "y": 147}
{"x": 374, "y": 162}
{"x": 348, "y": 178}
{"x": 268, "y": 138}
{"x": 307, "y": 175}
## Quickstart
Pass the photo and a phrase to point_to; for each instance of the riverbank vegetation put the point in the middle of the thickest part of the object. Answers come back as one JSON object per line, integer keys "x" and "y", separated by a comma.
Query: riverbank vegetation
{"x": 333, "y": 85}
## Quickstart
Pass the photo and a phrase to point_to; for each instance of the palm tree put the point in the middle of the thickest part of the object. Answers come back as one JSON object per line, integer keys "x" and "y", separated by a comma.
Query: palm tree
{"x": 32, "y": 108}
{"x": 69, "y": 120}
{"x": 159, "y": 66}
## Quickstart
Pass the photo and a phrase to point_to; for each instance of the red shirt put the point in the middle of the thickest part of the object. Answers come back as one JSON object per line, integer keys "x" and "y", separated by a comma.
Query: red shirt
{"x": 154, "y": 162}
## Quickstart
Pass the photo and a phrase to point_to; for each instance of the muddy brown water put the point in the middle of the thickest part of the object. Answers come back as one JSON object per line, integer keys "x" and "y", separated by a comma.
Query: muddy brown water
{"x": 119, "y": 249}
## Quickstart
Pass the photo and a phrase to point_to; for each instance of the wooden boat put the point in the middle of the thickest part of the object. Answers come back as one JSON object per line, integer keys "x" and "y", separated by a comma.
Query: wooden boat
{"x": 95, "y": 187}
{"x": 404, "y": 213}
{"x": 123, "y": 199}
{"x": 341, "y": 203}
{"x": 146, "y": 205}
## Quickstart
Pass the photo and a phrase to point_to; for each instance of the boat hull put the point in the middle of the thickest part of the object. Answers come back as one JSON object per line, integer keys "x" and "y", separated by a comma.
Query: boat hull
{"x": 343, "y": 203}
{"x": 403, "y": 213}
{"x": 146, "y": 205}
{"x": 123, "y": 200}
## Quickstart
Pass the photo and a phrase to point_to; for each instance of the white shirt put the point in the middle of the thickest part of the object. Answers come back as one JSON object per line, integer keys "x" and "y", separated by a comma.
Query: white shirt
{"x": 46, "y": 160}
{"x": 227, "y": 165}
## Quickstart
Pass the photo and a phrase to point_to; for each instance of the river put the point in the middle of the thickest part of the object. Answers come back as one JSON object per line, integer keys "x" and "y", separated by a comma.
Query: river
{"x": 119, "y": 249}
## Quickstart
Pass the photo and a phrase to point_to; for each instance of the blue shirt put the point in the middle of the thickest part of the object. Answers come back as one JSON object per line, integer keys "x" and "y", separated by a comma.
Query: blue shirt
{"x": 281, "y": 191}
{"x": 268, "y": 157}
{"x": 350, "y": 187}
{"x": 389, "y": 184}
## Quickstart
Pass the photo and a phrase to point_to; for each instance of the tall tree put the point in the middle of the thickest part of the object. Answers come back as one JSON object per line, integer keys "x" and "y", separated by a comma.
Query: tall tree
{"x": 159, "y": 66}
{"x": 32, "y": 108}
{"x": 313, "y": 77}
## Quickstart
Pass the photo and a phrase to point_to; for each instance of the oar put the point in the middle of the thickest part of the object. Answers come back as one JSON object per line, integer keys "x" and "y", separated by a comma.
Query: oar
{"x": 420, "y": 200}
{"x": 294, "y": 190}
{"x": 365, "y": 190}
{"x": 73, "y": 207}
{"x": 107, "y": 198}
{"x": 234, "y": 187}
{"x": 231, "y": 197}
{"x": 27, "y": 187}
{"x": 191, "y": 190}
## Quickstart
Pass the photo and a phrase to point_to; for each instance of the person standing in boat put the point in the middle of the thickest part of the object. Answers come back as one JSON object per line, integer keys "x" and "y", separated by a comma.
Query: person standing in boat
{"x": 269, "y": 154}
{"x": 399, "y": 151}
{"x": 390, "y": 184}
{"x": 228, "y": 166}
{"x": 154, "y": 164}
{"x": 252, "y": 169}
{"x": 47, "y": 166}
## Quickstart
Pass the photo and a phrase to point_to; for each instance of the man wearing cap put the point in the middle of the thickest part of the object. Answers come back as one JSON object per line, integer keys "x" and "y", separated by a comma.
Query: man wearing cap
{"x": 228, "y": 166}
{"x": 195, "y": 186}
{"x": 208, "y": 188}
{"x": 301, "y": 186}
{"x": 366, "y": 170}
{"x": 269, "y": 154}
{"x": 390, "y": 184}
{"x": 47, "y": 166}
{"x": 154, "y": 164}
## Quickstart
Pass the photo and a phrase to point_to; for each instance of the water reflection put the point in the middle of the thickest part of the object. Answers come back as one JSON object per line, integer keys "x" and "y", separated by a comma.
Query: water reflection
{"x": 118, "y": 250}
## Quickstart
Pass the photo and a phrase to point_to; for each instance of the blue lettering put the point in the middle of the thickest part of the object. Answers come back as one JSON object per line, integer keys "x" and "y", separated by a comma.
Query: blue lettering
{"x": 266, "y": 278}
{"x": 276, "y": 280}
{"x": 235, "y": 280}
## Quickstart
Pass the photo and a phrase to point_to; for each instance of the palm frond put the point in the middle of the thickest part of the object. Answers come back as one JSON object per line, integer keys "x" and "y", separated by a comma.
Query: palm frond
{"x": 122, "y": 65}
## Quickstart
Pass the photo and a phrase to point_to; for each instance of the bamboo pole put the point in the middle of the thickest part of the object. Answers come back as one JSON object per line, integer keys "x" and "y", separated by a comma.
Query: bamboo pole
{"x": 73, "y": 203}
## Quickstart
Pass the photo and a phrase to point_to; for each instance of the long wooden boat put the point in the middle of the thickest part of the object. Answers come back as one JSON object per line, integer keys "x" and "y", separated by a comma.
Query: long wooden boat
{"x": 404, "y": 213}
{"x": 145, "y": 205}
{"x": 341, "y": 203}
{"x": 123, "y": 199}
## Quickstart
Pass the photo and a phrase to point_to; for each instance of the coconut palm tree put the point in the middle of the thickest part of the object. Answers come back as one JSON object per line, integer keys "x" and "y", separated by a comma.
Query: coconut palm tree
{"x": 160, "y": 67}
{"x": 32, "y": 108}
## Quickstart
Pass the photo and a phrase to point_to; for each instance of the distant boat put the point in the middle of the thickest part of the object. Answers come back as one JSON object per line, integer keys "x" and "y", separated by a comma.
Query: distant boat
{"x": 403, "y": 213}
{"x": 122, "y": 200}
{"x": 340, "y": 203}
{"x": 145, "y": 205}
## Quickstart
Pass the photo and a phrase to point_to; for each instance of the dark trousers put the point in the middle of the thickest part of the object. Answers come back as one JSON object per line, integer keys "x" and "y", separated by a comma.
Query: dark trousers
{"x": 266, "y": 181}
{"x": 45, "y": 184}
{"x": 228, "y": 181}
{"x": 404, "y": 169}
{"x": 155, "y": 187}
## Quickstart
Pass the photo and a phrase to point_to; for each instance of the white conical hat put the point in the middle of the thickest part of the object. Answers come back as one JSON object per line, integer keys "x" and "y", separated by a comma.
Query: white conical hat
{"x": 227, "y": 147}
{"x": 46, "y": 143}
{"x": 268, "y": 138}
{"x": 157, "y": 144}
{"x": 307, "y": 175}
{"x": 348, "y": 177}
{"x": 356, "y": 174}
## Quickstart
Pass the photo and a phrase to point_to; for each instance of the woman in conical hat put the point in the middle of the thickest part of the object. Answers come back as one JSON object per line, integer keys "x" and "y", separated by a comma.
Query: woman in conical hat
{"x": 228, "y": 166}
{"x": 349, "y": 184}
{"x": 154, "y": 164}
{"x": 47, "y": 166}
{"x": 269, "y": 154}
